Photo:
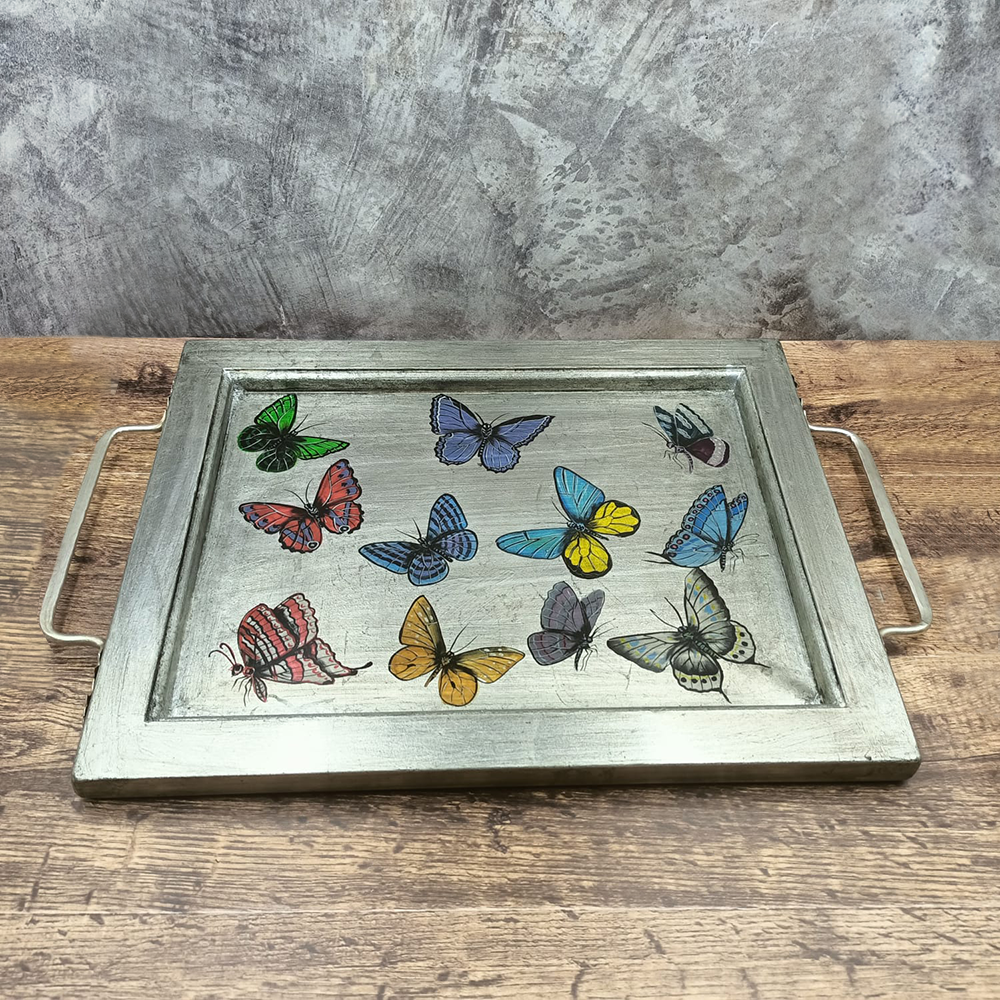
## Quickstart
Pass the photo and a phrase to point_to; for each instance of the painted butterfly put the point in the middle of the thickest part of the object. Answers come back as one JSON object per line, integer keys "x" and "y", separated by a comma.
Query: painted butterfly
{"x": 274, "y": 435}
{"x": 464, "y": 435}
{"x": 567, "y": 625}
{"x": 588, "y": 515}
{"x": 458, "y": 674}
{"x": 686, "y": 433}
{"x": 334, "y": 507}
{"x": 693, "y": 650}
{"x": 282, "y": 644}
{"x": 708, "y": 531}
{"x": 425, "y": 560}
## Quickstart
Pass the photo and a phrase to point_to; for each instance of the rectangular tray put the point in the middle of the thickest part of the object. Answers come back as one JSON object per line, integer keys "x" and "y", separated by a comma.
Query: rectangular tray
{"x": 167, "y": 717}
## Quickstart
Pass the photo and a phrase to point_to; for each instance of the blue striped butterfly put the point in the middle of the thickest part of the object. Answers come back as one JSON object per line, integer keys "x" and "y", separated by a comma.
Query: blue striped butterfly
{"x": 425, "y": 559}
{"x": 694, "y": 648}
{"x": 588, "y": 516}
{"x": 708, "y": 531}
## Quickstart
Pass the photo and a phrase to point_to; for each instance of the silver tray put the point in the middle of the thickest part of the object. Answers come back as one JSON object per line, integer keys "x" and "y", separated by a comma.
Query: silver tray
{"x": 771, "y": 668}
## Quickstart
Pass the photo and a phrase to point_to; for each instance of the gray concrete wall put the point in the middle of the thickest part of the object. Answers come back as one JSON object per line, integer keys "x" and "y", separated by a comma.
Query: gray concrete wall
{"x": 526, "y": 169}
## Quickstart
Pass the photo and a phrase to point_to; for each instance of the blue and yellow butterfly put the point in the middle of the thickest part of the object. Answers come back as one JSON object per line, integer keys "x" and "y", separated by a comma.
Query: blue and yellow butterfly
{"x": 588, "y": 515}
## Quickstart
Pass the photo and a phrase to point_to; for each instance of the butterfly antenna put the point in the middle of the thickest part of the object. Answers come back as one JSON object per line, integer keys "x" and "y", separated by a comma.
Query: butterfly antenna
{"x": 458, "y": 635}
{"x": 659, "y": 619}
{"x": 657, "y": 431}
{"x": 226, "y": 651}
{"x": 676, "y": 612}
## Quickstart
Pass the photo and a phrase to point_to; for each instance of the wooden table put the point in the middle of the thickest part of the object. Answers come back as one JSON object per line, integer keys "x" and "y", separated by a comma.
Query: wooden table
{"x": 710, "y": 892}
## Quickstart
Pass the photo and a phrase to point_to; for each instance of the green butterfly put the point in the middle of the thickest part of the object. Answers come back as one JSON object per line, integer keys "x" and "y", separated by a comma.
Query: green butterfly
{"x": 272, "y": 434}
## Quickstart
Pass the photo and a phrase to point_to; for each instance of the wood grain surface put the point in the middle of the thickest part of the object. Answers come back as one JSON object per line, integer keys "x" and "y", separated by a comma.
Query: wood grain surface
{"x": 713, "y": 892}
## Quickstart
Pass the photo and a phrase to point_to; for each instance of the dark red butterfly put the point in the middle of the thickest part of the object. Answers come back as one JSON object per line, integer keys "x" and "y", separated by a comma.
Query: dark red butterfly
{"x": 282, "y": 644}
{"x": 301, "y": 528}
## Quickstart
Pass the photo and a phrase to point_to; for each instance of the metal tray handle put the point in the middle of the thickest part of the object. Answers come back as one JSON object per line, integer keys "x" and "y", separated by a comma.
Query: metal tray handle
{"x": 65, "y": 555}
{"x": 892, "y": 530}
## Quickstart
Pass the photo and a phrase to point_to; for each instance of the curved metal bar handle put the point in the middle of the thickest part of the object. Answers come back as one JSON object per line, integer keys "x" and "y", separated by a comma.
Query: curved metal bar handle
{"x": 892, "y": 529}
{"x": 58, "y": 579}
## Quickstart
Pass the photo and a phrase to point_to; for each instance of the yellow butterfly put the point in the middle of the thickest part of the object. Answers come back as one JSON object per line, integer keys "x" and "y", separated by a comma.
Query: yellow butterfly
{"x": 458, "y": 674}
{"x": 588, "y": 515}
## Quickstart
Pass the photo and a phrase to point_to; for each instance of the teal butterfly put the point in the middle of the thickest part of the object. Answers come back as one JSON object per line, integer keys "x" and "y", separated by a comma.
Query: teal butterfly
{"x": 273, "y": 434}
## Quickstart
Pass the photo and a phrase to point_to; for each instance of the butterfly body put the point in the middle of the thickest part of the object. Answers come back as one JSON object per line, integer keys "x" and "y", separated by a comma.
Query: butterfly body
{"x": 567, "y": 626}
{"x": 589, "y": 516}
{"x": 687, "y": 434}
{"x": 300, "y": 529}
{"x": 464, "y": 435}
{"x": 693, "y": 650}
{"x": 274, "y": 435}
{"x": 424, "y": 654}
{"x": 425, "y": 560}
{"x": 708, "y": 531}
{"x": 282, "y": 644}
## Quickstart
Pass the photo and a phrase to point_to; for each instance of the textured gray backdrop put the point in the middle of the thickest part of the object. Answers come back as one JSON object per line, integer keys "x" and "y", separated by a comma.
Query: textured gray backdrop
{"x": 529, "y": 169}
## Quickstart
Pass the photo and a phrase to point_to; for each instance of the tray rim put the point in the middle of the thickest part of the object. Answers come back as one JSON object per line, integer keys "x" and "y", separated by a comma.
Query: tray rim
{"x": 124, "y": 753}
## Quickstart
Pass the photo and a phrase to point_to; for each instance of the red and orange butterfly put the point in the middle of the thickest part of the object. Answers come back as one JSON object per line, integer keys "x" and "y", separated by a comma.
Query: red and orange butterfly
{"x": 282, "y": 644}
{"x": 334, "y": 507}
{"x": 459, "y": 674}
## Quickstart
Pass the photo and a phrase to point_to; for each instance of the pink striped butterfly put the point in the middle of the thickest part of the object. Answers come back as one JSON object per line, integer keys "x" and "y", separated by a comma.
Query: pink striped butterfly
{"x": 282, "y": 644}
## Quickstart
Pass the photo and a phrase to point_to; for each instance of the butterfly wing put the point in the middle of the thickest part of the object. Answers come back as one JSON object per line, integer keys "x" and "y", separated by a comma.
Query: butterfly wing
{"x": 585, "y": 556}
{"x": 280, "y": 414}
{"x": 690, "y": 426}
{"x": 299, "y": 618}
{"x": 687, "y": 549}
{"x": 393, "y": 556}
{"x": 707, "y": 515}
{"x": 737, "y": 512}
{"x": 315, "y": 447}
{"x": 449, "y": 415}
{"x": 667, "y": 425}
{"x": 704, "y": 531}
{"x": 336, "y": 499}
{"x": 427, "y": 568}
{"x": 707, "y": 612}
{"x": 458, "y": 685}
{"x": 537, "y": 543}
{"x": 446, "y": 516}
{"x": 299, "y": 531}
{"x": 650, "y": 650}
{"x": 460, "y": 429}
{"x": 562, "y": 610}
{"x": 264, "y": 637}
{"x": 422, "y": 642}
{"x": 695, "y": 670}
{"x": 614, "y": 518}
{"x": 449, "y": 536}
{"x": 553, "y": 647}
{"x": 500, "y": 453}
{"x": 460, "y": 545}
{"x": 744, "y": 650}
{"x": 579, "y": 498}
{"x": 592, "y": 605}
{"x": 564, "y": 627}
{"x": 254, "y": 438}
